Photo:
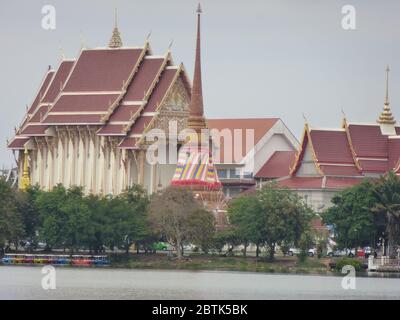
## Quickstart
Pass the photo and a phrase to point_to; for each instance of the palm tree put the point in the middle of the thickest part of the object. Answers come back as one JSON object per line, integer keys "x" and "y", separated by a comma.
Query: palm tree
{"x": 387, "y": 194}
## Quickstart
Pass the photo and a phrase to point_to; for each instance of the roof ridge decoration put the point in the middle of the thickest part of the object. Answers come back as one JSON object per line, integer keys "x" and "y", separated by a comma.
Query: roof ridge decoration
{"x": 148, "y": 93}
{"x": 116, "y": 41}
{"x": 62, "y": 85}
{"x": 386, "y": 117}
{"x": 350, "y": 142}
{"x": 306, "y": 138}
{"x": 28, "y": 115}
{"x": 166, "y": 96}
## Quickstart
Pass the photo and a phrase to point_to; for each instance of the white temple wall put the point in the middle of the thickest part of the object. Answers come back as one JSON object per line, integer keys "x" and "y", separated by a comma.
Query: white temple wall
{"x": 307, "y": 167}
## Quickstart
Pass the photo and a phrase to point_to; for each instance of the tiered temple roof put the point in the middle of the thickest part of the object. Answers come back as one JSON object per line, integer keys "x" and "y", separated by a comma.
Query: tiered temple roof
{"x": 338, "y": 158}
{"x": 119, "y": 89}
{"x": 342, "y": 156}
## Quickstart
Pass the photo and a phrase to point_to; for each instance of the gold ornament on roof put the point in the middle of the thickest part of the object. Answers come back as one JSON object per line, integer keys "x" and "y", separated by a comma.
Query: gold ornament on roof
{"x": 116, "y": 41}
{"x": 386, "y": 117}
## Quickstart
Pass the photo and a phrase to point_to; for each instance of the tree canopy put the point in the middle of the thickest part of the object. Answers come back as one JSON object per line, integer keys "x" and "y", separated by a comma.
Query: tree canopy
{"x": 353, "y": 222}
{"x": 178, "y": 217}
{"x": 270, "y": 216}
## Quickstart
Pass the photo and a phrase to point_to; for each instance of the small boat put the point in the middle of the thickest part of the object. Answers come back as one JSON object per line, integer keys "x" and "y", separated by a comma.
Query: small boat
{"x": 59, "y": 260}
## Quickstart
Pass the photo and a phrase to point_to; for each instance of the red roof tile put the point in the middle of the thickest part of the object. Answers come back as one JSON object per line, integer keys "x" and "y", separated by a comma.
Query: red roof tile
{"x": 124, "y": 113}
{"x": 368, "y": 141}
{"x": 278, "y": 165}
{"x": 378, "y": 166}
{"x": 143, "y": 79}
{"x": 128, "y": 143}
{"x": 84, "y": 103}
{"x": 331, "y": 146}
{"x": 141, "y": 124}
{"x": 102, "y": 69}
{"x": 160, "y": 90}
{"x": 112, "y": 129}
{"x": 18, "y": 143}
{"x": 301, "y": 182}
{"x": 58, "y": 80}
{"x": 332, "y": 170}
{"x": 39, "y": 113}
{"x": 34, "y": 130}
{"x": 74, "y": 119}
{"x": 41, "y": 92}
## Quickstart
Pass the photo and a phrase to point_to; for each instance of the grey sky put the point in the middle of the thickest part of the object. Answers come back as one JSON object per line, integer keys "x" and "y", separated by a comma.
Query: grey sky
{"x": 275, "y": 58}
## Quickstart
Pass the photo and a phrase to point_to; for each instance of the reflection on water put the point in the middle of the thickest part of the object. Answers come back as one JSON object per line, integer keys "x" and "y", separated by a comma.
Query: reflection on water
{"x": 71, "y": 283}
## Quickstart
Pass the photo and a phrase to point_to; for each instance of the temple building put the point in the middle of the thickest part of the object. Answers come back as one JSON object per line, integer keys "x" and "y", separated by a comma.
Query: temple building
{"x": 252, "y": 152}
{"x": 330, "y": 160}
{"x": 91, "y": 120}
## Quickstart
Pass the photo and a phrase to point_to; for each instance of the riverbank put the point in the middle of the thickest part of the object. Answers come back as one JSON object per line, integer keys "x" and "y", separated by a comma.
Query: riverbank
{"x": 218, "y": 263}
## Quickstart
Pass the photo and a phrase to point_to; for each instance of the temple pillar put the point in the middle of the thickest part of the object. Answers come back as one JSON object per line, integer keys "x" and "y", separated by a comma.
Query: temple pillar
{"x": 141, "y": 169}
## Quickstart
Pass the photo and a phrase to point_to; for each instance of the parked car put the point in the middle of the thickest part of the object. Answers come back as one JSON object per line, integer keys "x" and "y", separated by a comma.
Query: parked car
{"x": 296, "y": 251}
{"x": 159, "y": 246}
{"x": 342, "y": 253}
{"x": 312, "y": 252}
{"x": 28, "y": 245}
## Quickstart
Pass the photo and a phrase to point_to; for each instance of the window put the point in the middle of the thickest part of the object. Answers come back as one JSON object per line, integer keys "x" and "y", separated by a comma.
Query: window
{"x": 223, "y": 174}
{"x": 248, "y": 175}
{"x": 234, "y": 174}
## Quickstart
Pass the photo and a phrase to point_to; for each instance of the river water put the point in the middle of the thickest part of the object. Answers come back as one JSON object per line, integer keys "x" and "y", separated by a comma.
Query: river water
{"x": 26, "y": 283}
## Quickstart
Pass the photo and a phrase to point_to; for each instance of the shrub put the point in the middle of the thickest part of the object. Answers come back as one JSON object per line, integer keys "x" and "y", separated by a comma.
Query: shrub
{"x": 358, "y": 266}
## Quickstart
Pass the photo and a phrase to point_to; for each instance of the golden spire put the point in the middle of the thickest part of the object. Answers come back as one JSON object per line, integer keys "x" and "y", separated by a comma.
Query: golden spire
{"x": 116, "y": 41}
{"x": 25, "y": 181}
{"x": 386, "y": 117}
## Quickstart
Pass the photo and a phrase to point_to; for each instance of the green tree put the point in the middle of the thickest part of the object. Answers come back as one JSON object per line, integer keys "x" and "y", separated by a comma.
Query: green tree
{"x": 64, "y": 218}
{"x": 53, "y": 220}
{"x": 284, "y": 216}
{"x": 271, "y": 216}
{"x": 351, "y": 216}
{"x": 26, "y": 206}
{"x": 201, "y": 226}
{"x": 100, "y": 223}
{"x": 11, "y": 224}
{"x": 244, "y": 215}
{"x": 77, "y": 217}
{"x": 136, "y": 223}
{"x": 175, "y": 215}
{"x": 387, "y": 207}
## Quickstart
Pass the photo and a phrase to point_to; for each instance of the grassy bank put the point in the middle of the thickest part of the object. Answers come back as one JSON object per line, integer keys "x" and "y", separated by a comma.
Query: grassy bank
{"x": 210, "y": 262}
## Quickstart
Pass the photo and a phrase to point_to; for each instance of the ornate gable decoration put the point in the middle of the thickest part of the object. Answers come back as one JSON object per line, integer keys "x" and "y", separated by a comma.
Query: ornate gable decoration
{"x": 177, "y": 100}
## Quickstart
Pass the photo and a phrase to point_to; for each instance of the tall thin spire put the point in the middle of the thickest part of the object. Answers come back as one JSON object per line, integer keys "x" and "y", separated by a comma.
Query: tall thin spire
{"x": 116, "y": 41}
{"x": 387, "y": 86}
{"x": 196, "y": 118}
{"x": 386, "y": 117}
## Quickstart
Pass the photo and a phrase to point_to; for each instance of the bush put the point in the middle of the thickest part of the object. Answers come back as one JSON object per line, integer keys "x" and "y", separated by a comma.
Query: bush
{"x": 358, "y": 266}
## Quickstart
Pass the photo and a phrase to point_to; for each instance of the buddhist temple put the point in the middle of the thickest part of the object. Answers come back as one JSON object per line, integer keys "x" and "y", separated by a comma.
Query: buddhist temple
{"x": 330, "y": 160}
{"x": 90, "y": 122}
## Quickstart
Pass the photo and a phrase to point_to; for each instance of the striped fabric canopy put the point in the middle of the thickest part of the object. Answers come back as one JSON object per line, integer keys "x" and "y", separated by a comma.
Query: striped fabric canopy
{"x": 196, "y": 168}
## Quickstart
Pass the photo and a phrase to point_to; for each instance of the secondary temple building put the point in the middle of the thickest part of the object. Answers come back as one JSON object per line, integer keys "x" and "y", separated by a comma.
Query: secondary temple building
{"x": 330, "y": 160}
{"x": 89, "y": 122}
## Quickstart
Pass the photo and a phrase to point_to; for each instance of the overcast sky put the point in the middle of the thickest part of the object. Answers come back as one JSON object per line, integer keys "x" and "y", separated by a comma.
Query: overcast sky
{"x": 276, "y": 58}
